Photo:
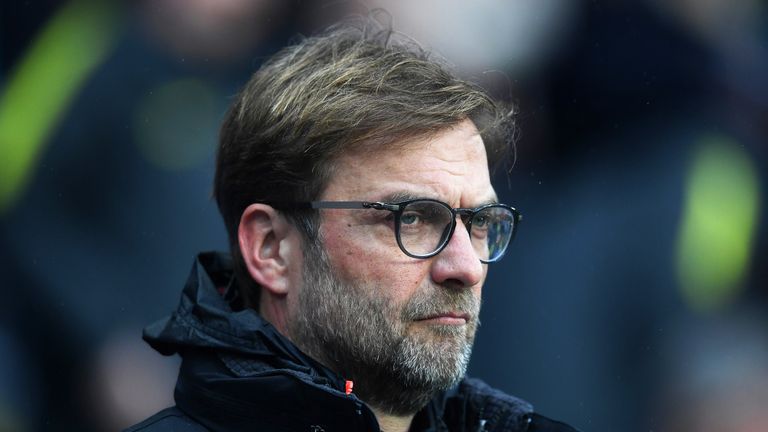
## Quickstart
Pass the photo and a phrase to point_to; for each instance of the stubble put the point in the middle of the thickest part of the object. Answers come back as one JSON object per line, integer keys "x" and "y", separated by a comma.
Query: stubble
{"x": 397, "y": 363}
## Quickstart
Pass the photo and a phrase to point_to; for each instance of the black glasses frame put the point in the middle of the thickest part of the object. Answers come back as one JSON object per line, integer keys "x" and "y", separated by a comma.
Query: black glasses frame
{"x": 467, "y": 214}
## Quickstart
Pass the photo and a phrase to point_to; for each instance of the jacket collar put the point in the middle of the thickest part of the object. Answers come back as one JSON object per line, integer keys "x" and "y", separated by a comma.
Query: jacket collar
{"x": 205, "y": 319}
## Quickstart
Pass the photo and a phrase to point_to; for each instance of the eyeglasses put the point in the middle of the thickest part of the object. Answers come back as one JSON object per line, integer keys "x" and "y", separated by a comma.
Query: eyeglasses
{"x": 423, "y": 227}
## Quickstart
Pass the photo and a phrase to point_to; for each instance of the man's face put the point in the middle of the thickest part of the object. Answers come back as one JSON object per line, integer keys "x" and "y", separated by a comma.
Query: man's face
{"x": 401, "y": 327}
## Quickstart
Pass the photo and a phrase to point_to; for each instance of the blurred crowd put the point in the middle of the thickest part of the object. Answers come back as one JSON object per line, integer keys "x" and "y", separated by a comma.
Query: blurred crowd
{"x": 634, "y": 298}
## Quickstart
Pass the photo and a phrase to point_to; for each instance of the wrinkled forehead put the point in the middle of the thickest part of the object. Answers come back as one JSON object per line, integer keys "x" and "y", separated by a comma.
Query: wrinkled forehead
{"x": 450, "y": 165}
{"x": 409, "y": 142}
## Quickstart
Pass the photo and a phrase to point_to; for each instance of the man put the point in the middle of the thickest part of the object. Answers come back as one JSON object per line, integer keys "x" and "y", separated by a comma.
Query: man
{"x": 353, "y": 179}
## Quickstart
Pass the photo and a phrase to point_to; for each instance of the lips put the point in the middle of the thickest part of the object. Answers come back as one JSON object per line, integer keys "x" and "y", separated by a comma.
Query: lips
{"x": 448, "y": 317}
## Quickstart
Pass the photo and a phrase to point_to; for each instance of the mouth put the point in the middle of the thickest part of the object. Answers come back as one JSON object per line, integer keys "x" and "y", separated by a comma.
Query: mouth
{"x": 446, "y": 318}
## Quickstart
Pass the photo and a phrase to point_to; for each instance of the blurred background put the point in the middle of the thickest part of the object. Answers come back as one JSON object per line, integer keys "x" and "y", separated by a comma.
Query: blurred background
{"x": 634, "y": 297}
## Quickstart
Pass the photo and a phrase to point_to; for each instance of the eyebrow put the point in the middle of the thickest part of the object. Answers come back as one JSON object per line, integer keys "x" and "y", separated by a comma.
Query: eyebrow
{"x": 400, "y": 196}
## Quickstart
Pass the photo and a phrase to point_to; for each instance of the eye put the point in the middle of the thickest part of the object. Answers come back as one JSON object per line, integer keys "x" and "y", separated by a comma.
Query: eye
{"x": 480, "y": 221}
{"x": 410, "y": 218}
{"x": 424, "y": 215}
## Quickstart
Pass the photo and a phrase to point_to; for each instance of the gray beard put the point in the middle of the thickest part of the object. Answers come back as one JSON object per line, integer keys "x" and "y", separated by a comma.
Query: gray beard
{"x": 361, "y": 335}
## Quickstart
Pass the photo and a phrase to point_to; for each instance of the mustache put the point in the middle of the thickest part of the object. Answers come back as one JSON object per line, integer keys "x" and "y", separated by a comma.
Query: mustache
{"x": 440, "y": 301}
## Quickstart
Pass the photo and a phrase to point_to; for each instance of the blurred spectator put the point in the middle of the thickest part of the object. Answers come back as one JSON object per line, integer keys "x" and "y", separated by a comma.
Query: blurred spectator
{"x": 715, "y": 374}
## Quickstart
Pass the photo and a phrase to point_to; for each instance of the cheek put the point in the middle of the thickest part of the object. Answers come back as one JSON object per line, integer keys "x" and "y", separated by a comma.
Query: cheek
{"x": 375, "y": 266}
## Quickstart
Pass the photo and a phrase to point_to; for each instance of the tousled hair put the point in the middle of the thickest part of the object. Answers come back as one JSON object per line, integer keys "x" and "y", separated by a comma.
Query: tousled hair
{"x": 357, "y": 86}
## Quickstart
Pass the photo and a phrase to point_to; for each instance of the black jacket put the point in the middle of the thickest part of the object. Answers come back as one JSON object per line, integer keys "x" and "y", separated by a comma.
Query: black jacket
{"x": 238, "y": 373}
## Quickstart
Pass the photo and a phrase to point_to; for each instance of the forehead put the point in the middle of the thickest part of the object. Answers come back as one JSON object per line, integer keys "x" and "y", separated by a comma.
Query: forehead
{"x": 450, "y": 165}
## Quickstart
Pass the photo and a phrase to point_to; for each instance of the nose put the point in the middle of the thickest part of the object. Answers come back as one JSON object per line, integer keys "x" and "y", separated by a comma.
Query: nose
{"x": 458, "y": 265}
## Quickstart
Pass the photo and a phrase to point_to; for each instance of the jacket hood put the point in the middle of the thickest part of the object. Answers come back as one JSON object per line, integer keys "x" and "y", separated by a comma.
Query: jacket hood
{"x": 206, "y": 320}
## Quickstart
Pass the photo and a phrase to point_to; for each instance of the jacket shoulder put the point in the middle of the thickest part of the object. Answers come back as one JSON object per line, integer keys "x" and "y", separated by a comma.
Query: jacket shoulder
{"x": 503, "y": 412}
{"x": 496, "y": 409}
{"x": 539, "y": 423}
{"x": 169, "y": 419}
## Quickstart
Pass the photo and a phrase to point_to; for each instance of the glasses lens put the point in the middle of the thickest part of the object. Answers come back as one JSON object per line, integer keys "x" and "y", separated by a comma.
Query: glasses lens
{"x": 424, "y": 227}
{"x": 491, "y": 232}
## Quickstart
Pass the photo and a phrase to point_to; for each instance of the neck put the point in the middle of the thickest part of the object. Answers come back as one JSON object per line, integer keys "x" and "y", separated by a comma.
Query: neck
{"x": 273, "y": 311}
{"x": 392, "y": 423}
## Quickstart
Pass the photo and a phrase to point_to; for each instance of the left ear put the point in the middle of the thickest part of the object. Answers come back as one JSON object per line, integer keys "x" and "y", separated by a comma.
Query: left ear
{"x": 268, "y": 244}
